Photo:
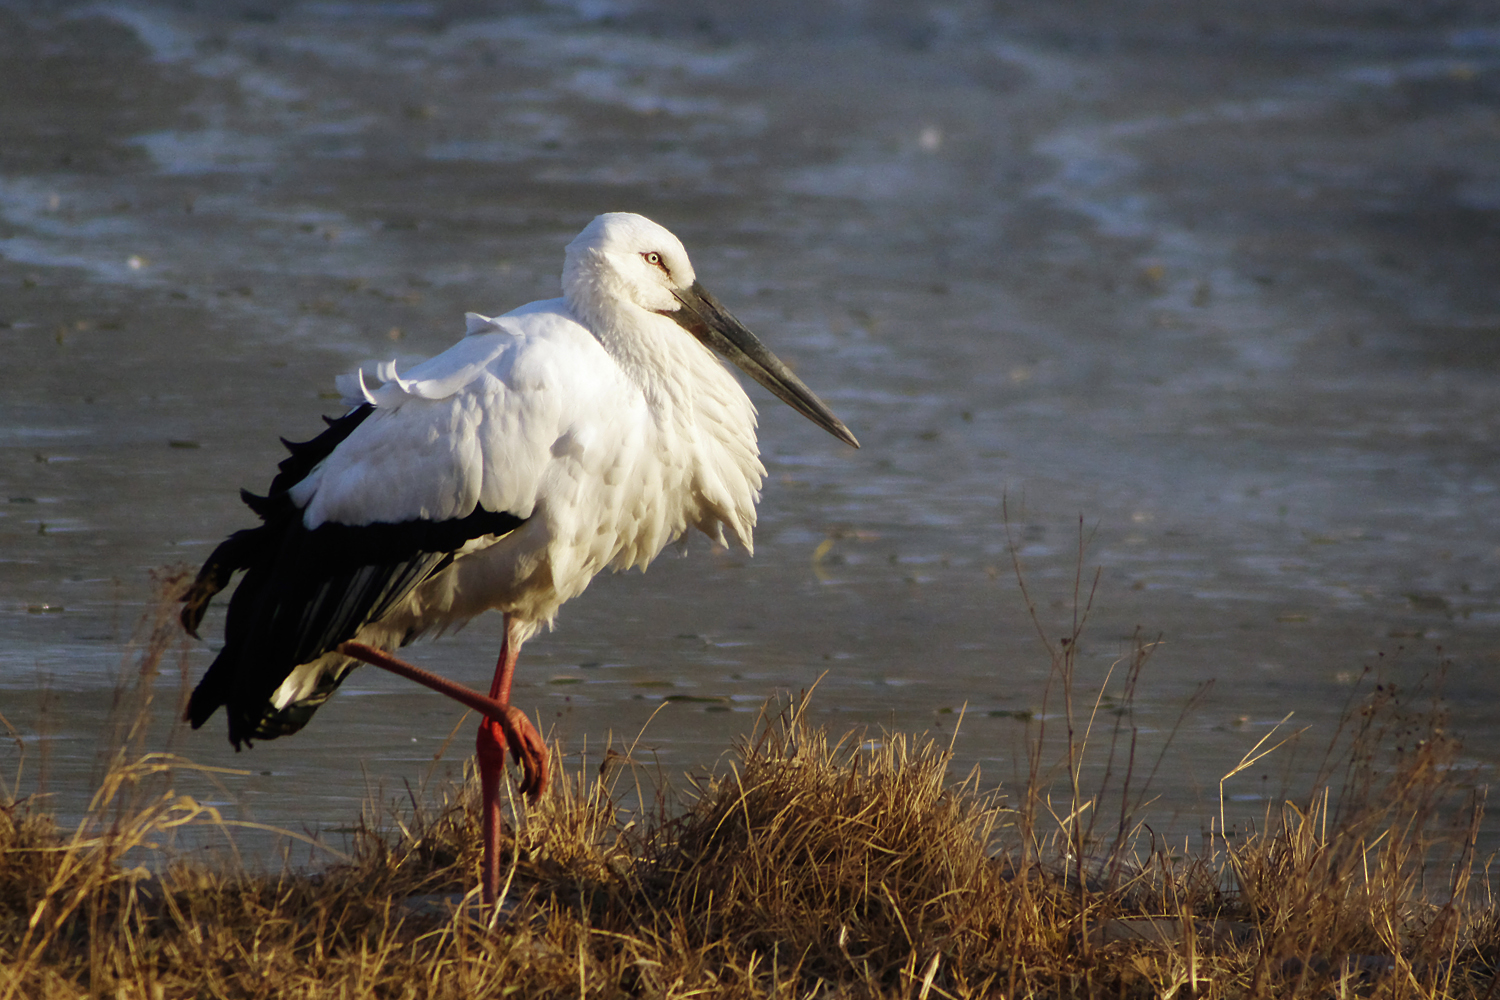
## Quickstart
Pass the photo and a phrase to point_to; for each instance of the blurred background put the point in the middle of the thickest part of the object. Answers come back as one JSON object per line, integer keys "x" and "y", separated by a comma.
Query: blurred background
{"x": 1196, "y": 300}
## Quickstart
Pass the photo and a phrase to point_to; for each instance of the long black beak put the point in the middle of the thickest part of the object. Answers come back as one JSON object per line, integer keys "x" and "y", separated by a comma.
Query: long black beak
{"x": 703, "y": 317}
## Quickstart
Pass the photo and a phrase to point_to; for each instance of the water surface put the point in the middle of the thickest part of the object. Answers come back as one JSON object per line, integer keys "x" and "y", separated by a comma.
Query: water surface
{"x": 1205, "y": 291}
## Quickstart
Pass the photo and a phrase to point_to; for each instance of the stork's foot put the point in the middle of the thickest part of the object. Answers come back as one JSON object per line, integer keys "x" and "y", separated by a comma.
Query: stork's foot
{"x": 525, "y": 743}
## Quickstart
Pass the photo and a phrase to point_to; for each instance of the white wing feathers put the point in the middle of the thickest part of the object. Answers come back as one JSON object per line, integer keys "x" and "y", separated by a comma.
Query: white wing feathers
{"x": 437, "y": 378}
{"x": 476, "y": 424}
{"x": 477, "y": 323}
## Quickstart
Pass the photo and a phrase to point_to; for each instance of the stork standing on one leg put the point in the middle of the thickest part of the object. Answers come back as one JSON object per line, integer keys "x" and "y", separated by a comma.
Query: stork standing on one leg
{"x": 551, "y": 442}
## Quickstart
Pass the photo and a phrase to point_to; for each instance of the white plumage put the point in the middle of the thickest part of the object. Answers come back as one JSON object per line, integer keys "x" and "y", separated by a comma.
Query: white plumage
{"x": 567, "y": 436}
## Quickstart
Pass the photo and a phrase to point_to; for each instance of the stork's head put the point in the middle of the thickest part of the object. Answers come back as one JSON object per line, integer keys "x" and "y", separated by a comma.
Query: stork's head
{"x": 621, "y": 259}
{"x": 627, "y": 256}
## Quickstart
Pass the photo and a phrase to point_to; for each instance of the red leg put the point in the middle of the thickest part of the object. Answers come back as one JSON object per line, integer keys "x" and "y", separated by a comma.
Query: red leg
{"x": 520, "y": 735}
{"x": 503, "y": 727}
{"x": 511, "y": 728}
{"x": 489, "y": 752}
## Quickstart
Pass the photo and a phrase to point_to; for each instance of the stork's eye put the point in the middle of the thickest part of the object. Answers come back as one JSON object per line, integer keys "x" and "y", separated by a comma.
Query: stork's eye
{"x": 654, "y": 259}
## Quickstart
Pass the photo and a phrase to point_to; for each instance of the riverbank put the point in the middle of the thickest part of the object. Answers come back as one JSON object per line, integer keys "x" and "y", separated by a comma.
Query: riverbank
{"x": 808, "y": 864}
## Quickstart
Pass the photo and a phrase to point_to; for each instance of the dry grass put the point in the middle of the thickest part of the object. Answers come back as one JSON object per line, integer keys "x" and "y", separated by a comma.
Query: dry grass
{"x": 808, "y": 867}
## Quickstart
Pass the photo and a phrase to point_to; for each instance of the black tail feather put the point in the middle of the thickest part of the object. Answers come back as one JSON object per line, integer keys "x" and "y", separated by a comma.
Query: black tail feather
{"x": 212, "y": 691}
{"x": 235, "y": 553}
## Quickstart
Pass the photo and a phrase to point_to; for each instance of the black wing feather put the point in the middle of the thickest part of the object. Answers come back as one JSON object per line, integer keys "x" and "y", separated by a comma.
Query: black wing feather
{"x": 305, "y": 592}
{"x": 239, "y": 549}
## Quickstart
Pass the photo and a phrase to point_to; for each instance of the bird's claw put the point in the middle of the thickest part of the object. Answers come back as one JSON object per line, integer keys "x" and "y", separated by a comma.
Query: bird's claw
{"x": 526, "y": 745}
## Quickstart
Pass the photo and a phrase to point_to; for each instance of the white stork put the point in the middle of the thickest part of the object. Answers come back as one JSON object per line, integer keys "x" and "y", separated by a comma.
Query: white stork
{"x": 570, "y": 435}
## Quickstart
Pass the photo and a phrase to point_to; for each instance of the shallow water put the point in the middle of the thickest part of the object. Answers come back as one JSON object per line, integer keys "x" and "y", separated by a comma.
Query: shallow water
{"x": 1207, "y": 287}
